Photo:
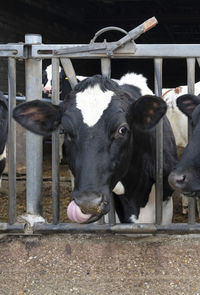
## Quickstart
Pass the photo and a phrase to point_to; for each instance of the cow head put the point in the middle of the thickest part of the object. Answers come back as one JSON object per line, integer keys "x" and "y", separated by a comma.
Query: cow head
{"x": 186, "y": 176}
{"x": 98, "y": 118}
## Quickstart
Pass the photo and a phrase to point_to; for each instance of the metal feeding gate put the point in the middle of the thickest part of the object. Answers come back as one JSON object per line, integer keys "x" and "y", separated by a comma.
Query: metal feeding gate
{"x": 33, "y": 51}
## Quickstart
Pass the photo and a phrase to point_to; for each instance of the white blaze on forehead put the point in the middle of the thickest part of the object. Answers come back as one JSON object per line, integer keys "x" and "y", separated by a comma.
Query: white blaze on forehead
{"x": 92, "y": 102}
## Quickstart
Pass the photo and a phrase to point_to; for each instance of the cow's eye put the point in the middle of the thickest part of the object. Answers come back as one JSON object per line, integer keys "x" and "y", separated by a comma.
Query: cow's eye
{"x": 123, "y": 130}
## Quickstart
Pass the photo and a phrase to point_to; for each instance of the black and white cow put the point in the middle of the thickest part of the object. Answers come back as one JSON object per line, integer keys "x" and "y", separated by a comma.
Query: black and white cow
{"x": 110, "y": 146}
{"x": 3, "y": 132}
{"x": 186, "y": 176}
{"x": 65, "y": 87}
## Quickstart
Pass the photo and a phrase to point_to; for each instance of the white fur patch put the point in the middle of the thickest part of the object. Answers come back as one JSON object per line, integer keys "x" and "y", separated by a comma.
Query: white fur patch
{"x": 148, "y": 213}
{"x": 81, "y": 78}
{"x": 3, "y": 155}
{"x": 119, "y": 189}
{"x": 49, "y": 75}
{"x": 106, "y": 218}
{"x": 137, "y": 80}
{"x": 92, "y": 102}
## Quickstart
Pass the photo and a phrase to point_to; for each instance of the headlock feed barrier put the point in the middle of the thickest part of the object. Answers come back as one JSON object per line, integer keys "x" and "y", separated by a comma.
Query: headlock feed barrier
{"x": 33, "y": 52}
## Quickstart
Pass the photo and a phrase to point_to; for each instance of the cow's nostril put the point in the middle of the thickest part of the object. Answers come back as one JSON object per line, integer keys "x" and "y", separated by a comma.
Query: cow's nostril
{"x": 180, "y": 179}
{"x": 177, "y": 180}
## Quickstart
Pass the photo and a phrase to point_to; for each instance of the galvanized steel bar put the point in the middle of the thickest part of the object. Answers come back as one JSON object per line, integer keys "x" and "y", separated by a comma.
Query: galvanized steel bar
{"x": 106, "y": 71}
{"x": 55, "y": 143}
{"x": 33, "y": 79}
{"x": 106, "y": 67}
{"x": 190, "y": 83}
{"x": 111, "y": 214}
{"x": 11, "y": 141}
{"x": 127, "y": 51}
{"x": 12, "y": 228}
{"x": 69, "y": 71}
{"x": 126, "y": 228}
{"x": 159, "y": 143}
{"x": 12, "y": 50}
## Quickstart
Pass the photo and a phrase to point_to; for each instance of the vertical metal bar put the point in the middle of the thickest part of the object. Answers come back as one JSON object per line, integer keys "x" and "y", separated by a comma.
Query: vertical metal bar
{"x": 159, "y": 143}
{"x": 11, "y": 141}
{"x": 55, "y": 144}
{"x": 198, "y": 61}
{"x": 190, "y": 83}
{"x": 111, "y": 214}
{"x": 106, "y": 71}
{"x": 106, "y": 67}
{"x": 33, "y": 79}
{"x": 69, "y": 71}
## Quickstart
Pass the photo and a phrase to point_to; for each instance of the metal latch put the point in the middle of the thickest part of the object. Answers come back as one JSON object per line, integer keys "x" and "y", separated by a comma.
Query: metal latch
{"x": 110, "y": 47}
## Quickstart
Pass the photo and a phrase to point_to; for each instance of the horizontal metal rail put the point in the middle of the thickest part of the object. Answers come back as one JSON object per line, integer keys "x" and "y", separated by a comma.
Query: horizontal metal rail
{"x": 23, "y": 98}
{"x": 12, "y": 228}
{"x": 12, "y": 50}
{"x": 128, "y": 51}
{"x": 126, "y": 228}
{"x": 176, "y": 228}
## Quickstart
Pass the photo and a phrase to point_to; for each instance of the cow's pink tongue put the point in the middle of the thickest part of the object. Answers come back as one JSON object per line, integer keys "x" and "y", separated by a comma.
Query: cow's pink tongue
{"x": 74, "y": 213}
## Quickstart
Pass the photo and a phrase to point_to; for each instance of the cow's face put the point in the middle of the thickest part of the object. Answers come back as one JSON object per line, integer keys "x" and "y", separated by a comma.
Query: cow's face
{"x": 98, "y": 120}
{"x": 186, "y": 176}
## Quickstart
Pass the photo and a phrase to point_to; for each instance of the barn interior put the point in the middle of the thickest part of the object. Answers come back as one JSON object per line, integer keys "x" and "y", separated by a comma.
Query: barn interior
{"x": 72, "y": 22}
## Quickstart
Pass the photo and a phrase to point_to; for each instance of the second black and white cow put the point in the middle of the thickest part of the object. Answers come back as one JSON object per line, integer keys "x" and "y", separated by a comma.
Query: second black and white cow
{"x": 110, "y": 146}
{"x": 186, "y": 176}
{"x": 3, "y": 132}
{"x": 65, "y": 87}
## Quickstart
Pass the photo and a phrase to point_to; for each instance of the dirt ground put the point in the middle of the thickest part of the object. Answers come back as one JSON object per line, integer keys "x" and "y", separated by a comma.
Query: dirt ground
{"x": 99, "y": 265}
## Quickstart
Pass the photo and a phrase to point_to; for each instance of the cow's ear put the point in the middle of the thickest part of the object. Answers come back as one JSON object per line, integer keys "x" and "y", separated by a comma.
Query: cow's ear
{"x": 187, "y": 103}
{"x": 39, "y": 117}
{"x": 147, "y": 111}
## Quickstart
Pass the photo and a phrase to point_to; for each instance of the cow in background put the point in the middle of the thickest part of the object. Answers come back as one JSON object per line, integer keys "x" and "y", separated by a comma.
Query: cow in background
{"x": 65, "y": 86}
{"x": 186, "y": 176}
{"x": 179, "y": 123}
{"x": 3, "y": 132}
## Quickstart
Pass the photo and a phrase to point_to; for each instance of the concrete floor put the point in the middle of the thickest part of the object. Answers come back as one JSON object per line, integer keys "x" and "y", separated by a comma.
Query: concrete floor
{"x": 99, "y": 265}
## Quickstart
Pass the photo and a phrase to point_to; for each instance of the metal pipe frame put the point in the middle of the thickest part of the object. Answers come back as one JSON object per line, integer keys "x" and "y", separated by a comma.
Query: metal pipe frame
{"x": 33, "y": 67}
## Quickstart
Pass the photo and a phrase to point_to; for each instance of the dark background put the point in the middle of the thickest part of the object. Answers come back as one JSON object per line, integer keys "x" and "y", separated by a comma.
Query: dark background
{"x": 77, "y": 21}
